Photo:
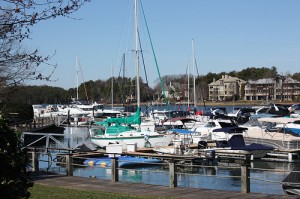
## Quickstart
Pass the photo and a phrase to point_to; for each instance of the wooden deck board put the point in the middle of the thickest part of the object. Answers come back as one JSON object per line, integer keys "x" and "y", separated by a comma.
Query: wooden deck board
{"x": 140, "y": 189}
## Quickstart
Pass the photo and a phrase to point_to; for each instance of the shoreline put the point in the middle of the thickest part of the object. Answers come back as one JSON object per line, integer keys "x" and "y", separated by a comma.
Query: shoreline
{"x": 210, "y": 103}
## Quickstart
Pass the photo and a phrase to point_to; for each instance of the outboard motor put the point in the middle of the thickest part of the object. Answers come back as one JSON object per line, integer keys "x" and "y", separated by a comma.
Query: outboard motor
{"x": 202, "y": 145}
{"x": 210, "y": 155}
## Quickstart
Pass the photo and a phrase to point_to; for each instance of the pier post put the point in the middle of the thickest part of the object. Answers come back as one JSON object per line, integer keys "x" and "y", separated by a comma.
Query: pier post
{"x": 172, "y": 174}
{"x": 114, "y": 169}
{"x": 35, "y": 161}
{"x": 245, "y": 179}
{"x": 69, "y": 164}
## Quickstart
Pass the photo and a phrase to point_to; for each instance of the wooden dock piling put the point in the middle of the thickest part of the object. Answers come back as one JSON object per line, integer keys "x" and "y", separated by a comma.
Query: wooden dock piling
{"x": 35, "y": 161}
{"x": 69, "y": 164}
{"x": 172, "y": 174}
{"x": 114, "y": 169}
{"x": 245, "y": 179}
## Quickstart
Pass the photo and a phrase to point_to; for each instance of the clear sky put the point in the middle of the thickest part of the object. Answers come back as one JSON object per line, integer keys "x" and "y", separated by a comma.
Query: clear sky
{"x": 228, "y": 35}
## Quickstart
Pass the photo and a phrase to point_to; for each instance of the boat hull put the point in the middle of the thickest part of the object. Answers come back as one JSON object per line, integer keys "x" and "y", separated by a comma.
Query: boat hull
{"x": 140, "y": 141}
{"x": 123, "y": 161}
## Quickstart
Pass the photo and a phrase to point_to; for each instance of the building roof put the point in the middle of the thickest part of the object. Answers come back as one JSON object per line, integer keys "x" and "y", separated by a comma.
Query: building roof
{"x": 272, "y": 81}
{"x": 226, "y": 79}
{"x": 262, "y": 81}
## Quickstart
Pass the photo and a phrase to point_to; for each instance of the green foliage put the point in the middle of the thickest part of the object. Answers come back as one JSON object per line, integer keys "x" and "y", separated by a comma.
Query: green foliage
{"x": 38, "y": 95}
{"x": 16, "y": 111}
{"x": 257, "y": 73}
{"x": 101, "y": 90}
{"x": 14, "y": 181}
{"x": 296, "y": 76}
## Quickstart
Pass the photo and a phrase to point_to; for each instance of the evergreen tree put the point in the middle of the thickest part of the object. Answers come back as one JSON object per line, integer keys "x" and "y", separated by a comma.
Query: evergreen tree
{"x": 14, "y": 180}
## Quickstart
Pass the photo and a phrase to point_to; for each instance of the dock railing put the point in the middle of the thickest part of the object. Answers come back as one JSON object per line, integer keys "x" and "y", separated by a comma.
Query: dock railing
{"x": 68, "y": 160}
{"x": 38, "y": 122}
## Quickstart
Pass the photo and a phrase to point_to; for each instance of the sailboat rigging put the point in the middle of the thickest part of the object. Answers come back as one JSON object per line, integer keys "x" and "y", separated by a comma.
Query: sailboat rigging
{"x": 120, "y": 130}
{"x": 78, "y": 66}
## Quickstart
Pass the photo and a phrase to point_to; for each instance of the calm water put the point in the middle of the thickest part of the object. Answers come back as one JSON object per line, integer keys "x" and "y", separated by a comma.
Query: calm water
{"x": 210, "y": 178}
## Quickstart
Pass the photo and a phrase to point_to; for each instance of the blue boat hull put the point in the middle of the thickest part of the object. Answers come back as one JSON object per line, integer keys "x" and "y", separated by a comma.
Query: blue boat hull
{"x": 124, "y": 161}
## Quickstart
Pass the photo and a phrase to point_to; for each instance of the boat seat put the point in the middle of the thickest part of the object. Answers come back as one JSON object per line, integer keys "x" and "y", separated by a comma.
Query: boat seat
{"x": 222, "y": 144}
{"x": 211, "y": 144}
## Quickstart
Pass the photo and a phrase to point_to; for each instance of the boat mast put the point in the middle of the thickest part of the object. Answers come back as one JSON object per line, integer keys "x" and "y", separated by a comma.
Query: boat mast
{"x": 77, "y": 71}
{"x": 137, "y": 56}
{"x": 188, "y": 85}
{"x": 195, "y": 103}
{"x": 112, "y": 87}
{"x": 79, "y": 67}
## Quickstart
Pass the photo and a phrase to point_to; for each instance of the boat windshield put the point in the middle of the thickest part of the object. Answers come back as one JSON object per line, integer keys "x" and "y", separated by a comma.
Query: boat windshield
{"x": 227, "y": 124}
{"x": 98, "y": 107}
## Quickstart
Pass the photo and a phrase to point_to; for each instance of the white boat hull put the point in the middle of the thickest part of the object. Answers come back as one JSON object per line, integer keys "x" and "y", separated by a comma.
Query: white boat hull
{"x": 141, "y": 142}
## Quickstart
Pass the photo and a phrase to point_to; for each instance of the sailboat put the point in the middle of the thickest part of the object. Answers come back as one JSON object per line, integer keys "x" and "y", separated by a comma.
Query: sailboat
{"x": 121, "y": 130}
{"x": 83, "y": 109}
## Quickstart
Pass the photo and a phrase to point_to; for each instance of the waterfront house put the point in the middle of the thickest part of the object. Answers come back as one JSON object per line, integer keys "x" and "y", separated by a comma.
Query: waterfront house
{"x": 286, "y": 89}
{"x": 226, "y": 88}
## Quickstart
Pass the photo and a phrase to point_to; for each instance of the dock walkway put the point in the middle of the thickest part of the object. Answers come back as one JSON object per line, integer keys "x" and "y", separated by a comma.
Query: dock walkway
{"x": 139, "y": 189}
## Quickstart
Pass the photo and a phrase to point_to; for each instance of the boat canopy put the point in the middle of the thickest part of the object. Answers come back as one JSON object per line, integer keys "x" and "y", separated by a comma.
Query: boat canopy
{"x": 281, "y": 120}
{"x": 134, "y": 119}
{"x": 181, "y": 131}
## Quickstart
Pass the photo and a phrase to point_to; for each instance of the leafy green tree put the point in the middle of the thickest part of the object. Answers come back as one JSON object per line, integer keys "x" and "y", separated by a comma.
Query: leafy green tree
{"x": 296, "y": 76}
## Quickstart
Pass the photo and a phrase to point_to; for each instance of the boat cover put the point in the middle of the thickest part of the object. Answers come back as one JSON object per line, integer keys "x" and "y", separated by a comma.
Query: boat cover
{"x": 237, "y": 142}
{"x": 134, "y": 119}
{"x": 182, "y": 119}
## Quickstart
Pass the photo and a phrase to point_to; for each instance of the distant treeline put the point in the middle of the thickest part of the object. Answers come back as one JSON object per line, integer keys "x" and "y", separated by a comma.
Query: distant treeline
{"x": 125, "y": 88}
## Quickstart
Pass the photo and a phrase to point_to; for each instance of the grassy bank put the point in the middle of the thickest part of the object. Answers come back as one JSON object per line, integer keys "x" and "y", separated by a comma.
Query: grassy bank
{"x": 39, "y": 191}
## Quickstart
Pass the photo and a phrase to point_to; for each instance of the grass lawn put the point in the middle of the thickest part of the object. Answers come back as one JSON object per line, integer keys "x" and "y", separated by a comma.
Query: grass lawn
{"x": 39, "y": 191}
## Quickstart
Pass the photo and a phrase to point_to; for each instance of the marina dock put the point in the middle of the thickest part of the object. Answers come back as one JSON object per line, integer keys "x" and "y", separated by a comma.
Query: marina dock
{"x": 176, "y": 169}
{"x": 139, "y": 189}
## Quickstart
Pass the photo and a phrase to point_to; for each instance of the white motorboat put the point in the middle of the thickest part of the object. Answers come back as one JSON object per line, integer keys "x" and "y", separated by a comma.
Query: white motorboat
{"x": 234, "y": 144}
{"x": 50, "y": 110}
{"x": 207, "y": 129}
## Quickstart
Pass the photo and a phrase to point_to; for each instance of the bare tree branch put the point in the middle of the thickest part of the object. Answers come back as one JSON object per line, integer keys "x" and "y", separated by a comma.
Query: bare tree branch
{"x": 16, "y": 19}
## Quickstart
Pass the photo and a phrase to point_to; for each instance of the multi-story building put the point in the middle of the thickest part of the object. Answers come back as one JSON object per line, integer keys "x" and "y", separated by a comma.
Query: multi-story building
{"x": 226, "y": 88}
{"x": 285, "y": 88}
